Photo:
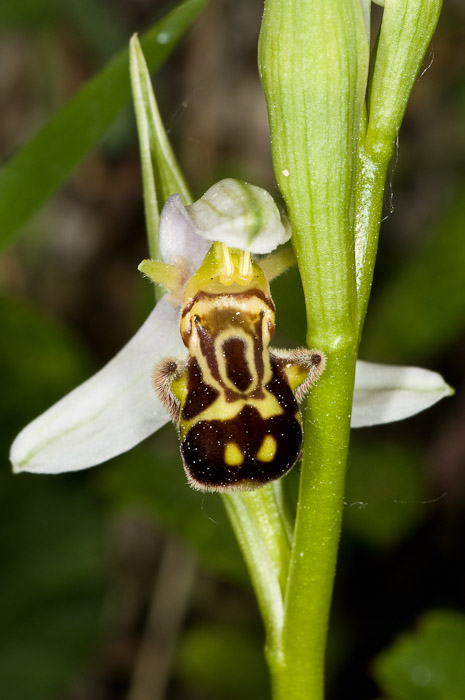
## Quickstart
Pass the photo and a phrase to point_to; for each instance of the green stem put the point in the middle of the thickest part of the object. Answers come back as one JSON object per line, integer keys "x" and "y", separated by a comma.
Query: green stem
{"x": 369, "y": 204}
{"x": 263, "y": 535}
{"x": 406, "y": 31}
{"x": 314, "y": 66}
{"x": 314, "y": 551}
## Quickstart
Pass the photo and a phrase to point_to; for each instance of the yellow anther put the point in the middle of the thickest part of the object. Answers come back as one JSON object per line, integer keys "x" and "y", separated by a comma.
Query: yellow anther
{"x": 245, "y": 267}
{"x": 235, "y": 266}
{"x": 227, "y": 265}
{"x": 267, "y": 451}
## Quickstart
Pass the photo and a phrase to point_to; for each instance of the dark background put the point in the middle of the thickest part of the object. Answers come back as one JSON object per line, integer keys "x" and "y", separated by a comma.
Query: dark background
{"x": 121, "y": 582}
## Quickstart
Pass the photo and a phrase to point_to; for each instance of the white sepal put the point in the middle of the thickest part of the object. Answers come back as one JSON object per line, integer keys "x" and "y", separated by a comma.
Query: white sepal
{"x": 241, "y": 215}
{"x": 388, "y": 393}
{"x": 110, "y": 412}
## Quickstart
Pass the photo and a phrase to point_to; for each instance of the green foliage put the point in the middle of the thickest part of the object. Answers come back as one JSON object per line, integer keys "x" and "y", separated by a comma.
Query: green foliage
{"x": 51, "y": 586}
{"x": 38, "y": 364}
{"x": 433, "y": 283}
{"x": 30, "y": 12}
{"x": 51, "y": 542}
{"x": 151, "y": 478}
{"x": 384, "y": 492}
{"x": 224, "y": 663}
{"x": 428, "y": 664}
{"x": 161, "y": 174}
{"x": 40, "y": 167}
{"x": 86, "y": 16}
{"x": 290, "y": 305}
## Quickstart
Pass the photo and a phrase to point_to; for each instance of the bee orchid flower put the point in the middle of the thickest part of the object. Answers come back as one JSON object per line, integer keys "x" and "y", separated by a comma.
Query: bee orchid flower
{"x": 118, "y": 407}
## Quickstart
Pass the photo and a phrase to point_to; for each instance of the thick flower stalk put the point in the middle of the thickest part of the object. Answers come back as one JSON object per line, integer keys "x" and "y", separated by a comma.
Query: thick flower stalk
{"x": 330, "y": 162}
{"x": 314, "y": 67}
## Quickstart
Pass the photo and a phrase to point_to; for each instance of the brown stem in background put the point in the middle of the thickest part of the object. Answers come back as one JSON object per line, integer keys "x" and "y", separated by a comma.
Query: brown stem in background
{"x": 168, "y": 607}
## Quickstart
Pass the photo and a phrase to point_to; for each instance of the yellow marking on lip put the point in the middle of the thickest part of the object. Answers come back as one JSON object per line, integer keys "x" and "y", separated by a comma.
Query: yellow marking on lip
{"x": 267, "y": 451}
{"x": 247, "y": 339}
{"x": 233, "y": 456}
{"x": 227, "y": 411}
{"x": 179, "y": 388}
{"x": 296, "y": 374}
{"x": 250, "y": 306}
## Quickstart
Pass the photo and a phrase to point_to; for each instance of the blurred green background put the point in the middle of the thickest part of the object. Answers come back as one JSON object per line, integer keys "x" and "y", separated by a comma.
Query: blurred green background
{"x": 121, "y": 582}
